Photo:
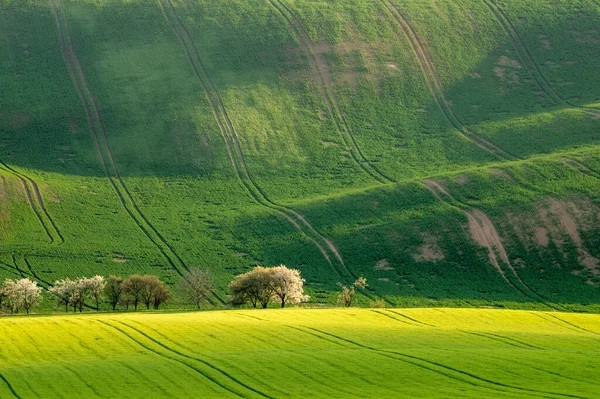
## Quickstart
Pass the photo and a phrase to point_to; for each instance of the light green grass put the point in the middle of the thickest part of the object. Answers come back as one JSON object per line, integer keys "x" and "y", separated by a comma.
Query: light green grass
{"x": 294, "y": 353}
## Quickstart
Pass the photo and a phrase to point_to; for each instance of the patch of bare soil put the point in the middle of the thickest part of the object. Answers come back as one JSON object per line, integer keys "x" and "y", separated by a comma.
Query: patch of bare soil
{"x": 541, "y": 236}
{"x": 383, "y": 264}
{"x": 429, "y": 251}
{"x": 120, "y": 260}
{"x": 500, "y": 172}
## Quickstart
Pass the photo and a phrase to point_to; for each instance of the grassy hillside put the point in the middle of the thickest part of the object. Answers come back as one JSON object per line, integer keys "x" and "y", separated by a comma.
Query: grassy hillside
{"x": 430, "y": 353}
{"x": 447, "y": 151}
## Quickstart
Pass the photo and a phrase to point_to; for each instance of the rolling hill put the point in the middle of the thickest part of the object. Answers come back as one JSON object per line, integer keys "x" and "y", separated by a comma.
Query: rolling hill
{"x": 298, "y": 353}
{"x": 447, "y": 151}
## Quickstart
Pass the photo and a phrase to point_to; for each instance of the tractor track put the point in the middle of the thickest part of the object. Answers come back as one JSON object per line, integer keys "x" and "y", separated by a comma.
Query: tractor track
{"x": 435, "y": 85}
{"x": 10, "y": 387}
{"x": 504, "y": 340}
{"x": 527, "y": 58}
{"x": 410, "y": 318}
{"x": 187, "y": 348}
{"x": 24, "y": 179}
{"x": 96, "y": 124}
{"x": 571, "y": 324}
{"x": 328, "y": 93}
{"x": 181, "y": 354}
{"x": 234, "y": 150}
{"x": 450, "y": 372}
{"x": 485, "y": 234}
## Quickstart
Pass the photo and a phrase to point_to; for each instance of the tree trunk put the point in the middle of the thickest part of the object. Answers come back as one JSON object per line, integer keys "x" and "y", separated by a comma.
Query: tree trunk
{"x": 282, "y": 301}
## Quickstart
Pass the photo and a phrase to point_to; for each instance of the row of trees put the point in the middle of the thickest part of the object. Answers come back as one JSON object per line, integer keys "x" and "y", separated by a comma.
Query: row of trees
{"x": 135, "y": 290}
{"x": 260, "y": 286}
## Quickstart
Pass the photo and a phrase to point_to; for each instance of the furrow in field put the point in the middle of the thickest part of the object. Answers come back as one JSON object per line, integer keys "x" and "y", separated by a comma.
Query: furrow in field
{"x": 499, "y": 339}
{"x": 204, "y": 362}
{"x": 572, "y": 324}
{"x": 10, "y": 387}
{"x": 435, "y": 85}
{"x": 234, "y": 149}
{"x": 410, "y": 318}
{"x": 562, "y": 324}
{"x": 187, "y": 348}
{"x": 9, "y": 269}
{"x": 29, "y": 197}
{"x": 449, "y": 371}
{"x": 102, "y": 145}
{"x": 315, "y": 62}
{"x": 379, "y": 312}
{"x": 485, "y": 234}
{"x": 33, "y": 272}
{"x": 170, "y": 357}
{"x": 532, "y": 66}
{"x": 515, "y": 341}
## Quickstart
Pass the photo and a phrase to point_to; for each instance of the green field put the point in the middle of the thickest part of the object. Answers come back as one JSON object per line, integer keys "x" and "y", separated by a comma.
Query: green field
{"x": 447, "y": 151}
{"x": 425, "y": 353}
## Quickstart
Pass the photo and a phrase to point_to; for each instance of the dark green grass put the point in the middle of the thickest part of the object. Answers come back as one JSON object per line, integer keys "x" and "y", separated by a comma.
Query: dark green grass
{"x": 168, "y": 148}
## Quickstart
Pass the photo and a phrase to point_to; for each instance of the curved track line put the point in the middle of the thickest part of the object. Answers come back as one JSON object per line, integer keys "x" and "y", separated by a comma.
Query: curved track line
{"x": 525, "y": 55}
{"x": 435, "y": 85}
{"x": 328, "y": 93}
{"x": 10, "y": 387}
{"x": 208, "y": 364}
{"x": 233, "y": 145}
{"x": 483, "y": 228}
{"x": 379, "y": 312}
{"x": 94, "y": 117}
{"x": 410, "y": 318}
{"x": 185, "y": 347}
{"x": 172, "y": 358}
{"x": 504, "y": 340}
{"x": 415, "y": 360}
{"x": 571, "y": 324}
{"x": 29, "y": 197}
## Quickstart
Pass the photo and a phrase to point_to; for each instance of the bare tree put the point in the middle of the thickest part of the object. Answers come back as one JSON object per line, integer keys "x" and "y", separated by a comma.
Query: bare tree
{"x": 287, "y": 285}
{"x": 347, "y": 295}
{"x": 195, "y": 286}
{"x": 113, "y": 290}
{"x": 133, "y": 288}
{"x": 151, "y": 284}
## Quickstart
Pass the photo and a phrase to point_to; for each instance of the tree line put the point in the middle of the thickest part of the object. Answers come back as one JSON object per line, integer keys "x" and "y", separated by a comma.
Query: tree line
{"x": 258, "y": 287}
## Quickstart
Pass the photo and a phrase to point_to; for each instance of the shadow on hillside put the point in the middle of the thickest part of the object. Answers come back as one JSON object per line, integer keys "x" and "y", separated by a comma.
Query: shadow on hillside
{"x": 156, "y": 115}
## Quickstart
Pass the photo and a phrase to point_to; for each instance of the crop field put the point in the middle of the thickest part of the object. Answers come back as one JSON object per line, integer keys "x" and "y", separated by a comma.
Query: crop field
{"x": 447, "y": 151}
{"x": 426, "y": 353}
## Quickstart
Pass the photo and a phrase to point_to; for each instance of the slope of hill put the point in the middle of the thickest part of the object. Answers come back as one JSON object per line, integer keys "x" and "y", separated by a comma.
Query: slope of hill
{"x": 447, "y": 151}
{"x": 298, "y": 353}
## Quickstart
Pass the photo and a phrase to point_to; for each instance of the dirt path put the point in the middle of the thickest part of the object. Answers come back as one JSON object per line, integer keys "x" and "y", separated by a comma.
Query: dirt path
{"x": 234, "y": 149}
{"x": 96, "y": 124}
{"x": 435, "y": 85}
{"x": 527, "y": 58}
{"x": 484, "y": 232}
{"x": 319, "y": 71}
